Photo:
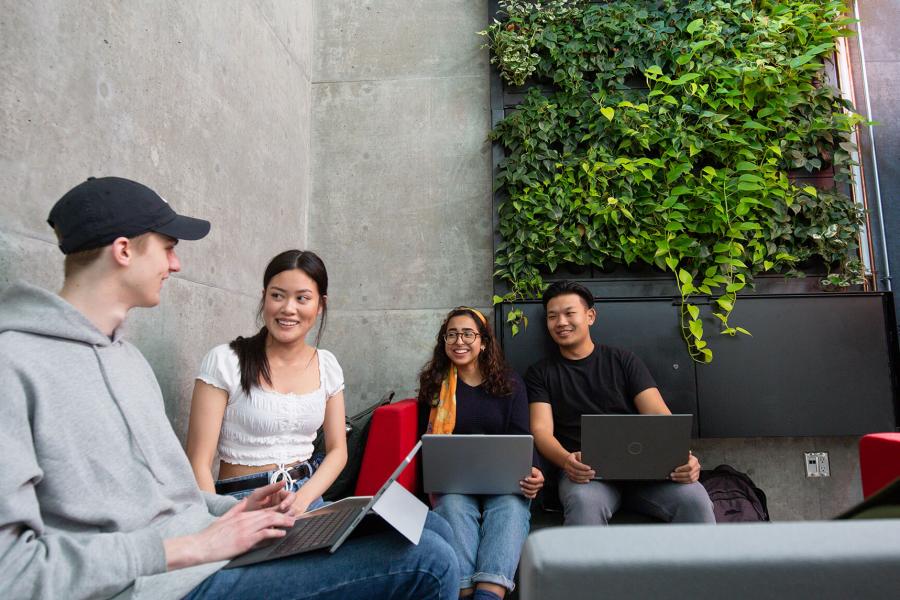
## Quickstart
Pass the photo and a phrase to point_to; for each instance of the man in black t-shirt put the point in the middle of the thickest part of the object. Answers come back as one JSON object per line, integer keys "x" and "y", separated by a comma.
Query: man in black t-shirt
{"x": 586, "y": 378}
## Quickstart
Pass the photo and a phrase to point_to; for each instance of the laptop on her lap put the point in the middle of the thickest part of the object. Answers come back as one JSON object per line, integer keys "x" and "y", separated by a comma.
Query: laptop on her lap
{"x": 329, "y": 526}
{"x": 635, "y": 447}
{"x": 475, "y": 464}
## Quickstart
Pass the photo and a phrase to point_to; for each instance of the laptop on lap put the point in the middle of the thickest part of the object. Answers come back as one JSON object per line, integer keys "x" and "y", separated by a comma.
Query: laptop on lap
{"x": 635, "y": 447}
{"x": 475, "y": 464}
{"x": 331, "y": 525}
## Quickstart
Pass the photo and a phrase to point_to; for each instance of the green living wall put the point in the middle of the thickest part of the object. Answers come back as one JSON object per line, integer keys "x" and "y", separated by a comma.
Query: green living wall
{"x": 663, "y": 132}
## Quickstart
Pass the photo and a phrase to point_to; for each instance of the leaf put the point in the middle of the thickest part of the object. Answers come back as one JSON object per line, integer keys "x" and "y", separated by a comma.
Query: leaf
{"x": 744, "y": 331}
{"x": 685, "y": 78}
{"x": 684, "y": 276}
{"x": 725, "y": 304}
{"x": 671, "y": 263}
{"x": 694, "y": 25}
{"x": 693, "y": 311}
{"x": 755, "y": 125}
{"x": 696, "y": 328}
{"x": 515, "y": 329}
{"x": 497, "y": 299}
{"x": 608, "y": 112}
{"x": 811, "y": 191}
{"x": 654, "y": 70}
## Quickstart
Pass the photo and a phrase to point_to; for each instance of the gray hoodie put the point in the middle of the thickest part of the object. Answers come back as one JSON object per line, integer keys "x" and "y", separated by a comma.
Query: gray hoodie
{"x": 92, "y": 477}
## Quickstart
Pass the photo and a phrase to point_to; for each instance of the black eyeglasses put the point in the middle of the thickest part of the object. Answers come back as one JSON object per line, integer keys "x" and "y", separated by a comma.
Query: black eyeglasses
{"x": 468, "y": 336}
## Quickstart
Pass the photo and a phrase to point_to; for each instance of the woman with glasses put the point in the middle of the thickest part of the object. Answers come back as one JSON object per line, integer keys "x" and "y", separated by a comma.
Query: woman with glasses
{"x": 259, "y": 401}
{"x": 467, "y": 388}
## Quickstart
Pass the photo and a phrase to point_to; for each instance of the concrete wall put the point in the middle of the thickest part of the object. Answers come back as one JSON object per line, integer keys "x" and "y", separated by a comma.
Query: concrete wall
{"x": 400, "y": 208}
{"x": 206, "y": 102}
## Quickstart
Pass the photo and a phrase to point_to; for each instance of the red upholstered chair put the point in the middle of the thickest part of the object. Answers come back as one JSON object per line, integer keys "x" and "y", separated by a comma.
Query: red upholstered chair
{"x": 392, "y": 434}
{"x": 879, "y": 461}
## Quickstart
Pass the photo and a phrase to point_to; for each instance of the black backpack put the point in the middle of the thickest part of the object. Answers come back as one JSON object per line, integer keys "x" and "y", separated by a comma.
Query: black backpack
{"x": 734, "y": 496}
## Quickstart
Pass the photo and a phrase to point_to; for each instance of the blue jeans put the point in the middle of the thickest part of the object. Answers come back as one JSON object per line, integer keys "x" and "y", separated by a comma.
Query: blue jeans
{"x": 383, "y": 565}
{"x": 595, "y": 502}
{"x": 264, "y": 480}
{"x": 489, "y": 532}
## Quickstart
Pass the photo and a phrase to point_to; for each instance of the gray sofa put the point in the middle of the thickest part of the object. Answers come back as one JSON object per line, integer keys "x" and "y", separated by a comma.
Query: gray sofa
{"x": 823, "y": 559}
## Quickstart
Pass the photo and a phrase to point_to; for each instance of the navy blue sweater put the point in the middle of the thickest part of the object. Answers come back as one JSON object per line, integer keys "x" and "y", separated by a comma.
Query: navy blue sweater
{"x": 478, "y": 412}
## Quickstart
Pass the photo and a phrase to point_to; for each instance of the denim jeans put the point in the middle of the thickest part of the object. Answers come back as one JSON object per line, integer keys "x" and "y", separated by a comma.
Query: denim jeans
{"x": 489, "y": 532}
{"x": 263, "y": 478}
{"x": 595, "y": 502}
{"x": 383, "y": 565}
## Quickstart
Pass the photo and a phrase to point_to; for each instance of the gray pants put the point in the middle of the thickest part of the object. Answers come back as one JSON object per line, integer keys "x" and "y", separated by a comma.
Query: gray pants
{"x": 595, "y": 502}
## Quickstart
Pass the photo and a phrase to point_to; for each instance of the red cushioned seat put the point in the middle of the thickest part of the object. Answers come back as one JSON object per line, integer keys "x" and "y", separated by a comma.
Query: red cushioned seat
{"x": 392, "y": 434}
{"x": 879, "y": 461}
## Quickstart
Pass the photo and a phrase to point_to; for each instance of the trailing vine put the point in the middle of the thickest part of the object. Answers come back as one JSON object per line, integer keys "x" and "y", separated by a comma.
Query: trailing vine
{"x": 662, "y": 132}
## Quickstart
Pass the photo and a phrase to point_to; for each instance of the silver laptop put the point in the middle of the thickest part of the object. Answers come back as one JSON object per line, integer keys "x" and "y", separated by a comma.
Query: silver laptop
{"x": 639, "y": 447}
{"x": 329, "y": 526}
{"x": 475, "y": 464}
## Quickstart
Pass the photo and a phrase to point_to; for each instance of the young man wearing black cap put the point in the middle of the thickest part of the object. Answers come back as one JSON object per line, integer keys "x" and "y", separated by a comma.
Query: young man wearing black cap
{"x": 587, "y": 378}
{"x": 97, "y": 498}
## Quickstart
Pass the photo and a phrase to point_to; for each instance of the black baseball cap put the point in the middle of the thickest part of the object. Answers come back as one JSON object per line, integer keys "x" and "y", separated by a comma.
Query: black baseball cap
{"x": 96, "y": 212}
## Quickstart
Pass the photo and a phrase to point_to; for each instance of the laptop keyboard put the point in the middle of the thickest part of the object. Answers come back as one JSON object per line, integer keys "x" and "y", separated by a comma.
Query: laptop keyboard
{"x": 315, "y": 532}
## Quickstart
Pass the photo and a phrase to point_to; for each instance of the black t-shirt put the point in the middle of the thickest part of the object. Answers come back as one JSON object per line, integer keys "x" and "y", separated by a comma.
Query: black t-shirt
{"x": 604, "y": 382}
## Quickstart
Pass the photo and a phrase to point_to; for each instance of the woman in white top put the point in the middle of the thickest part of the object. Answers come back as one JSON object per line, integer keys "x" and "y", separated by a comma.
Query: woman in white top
{"x": 259, "y": 401}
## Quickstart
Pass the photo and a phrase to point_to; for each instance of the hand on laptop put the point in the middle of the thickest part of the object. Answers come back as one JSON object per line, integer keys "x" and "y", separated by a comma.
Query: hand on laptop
{"x": 577, "y": 471}
{"x": 532, "y": 484}
{"x": 272, "y": 496}
{"x": 235, "y": 532}
{"x": 300, "y": 504}
{"x": 687, "y": 473}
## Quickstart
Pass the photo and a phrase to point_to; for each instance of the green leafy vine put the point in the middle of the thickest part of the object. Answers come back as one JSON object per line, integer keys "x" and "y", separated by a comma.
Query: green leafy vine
{"x": 661, "y": 132}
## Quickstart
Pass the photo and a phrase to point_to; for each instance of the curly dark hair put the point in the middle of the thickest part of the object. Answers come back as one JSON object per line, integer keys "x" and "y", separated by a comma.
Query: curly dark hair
{"x": 494, "y": 370}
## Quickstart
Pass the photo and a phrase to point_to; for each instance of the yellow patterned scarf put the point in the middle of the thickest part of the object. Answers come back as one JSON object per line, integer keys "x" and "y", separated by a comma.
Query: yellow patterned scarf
{"x": 442, "y": 419}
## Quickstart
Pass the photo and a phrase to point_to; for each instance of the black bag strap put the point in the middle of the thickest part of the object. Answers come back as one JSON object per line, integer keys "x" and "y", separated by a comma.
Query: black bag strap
{"x": 365, "y": 413}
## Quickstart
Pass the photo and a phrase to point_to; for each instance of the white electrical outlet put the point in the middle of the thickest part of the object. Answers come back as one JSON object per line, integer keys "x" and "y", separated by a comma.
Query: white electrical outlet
{"x": 817, "y": 464}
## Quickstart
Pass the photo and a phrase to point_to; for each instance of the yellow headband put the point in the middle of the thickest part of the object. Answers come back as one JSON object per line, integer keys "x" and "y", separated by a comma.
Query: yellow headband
{"x": 477, "y": 313}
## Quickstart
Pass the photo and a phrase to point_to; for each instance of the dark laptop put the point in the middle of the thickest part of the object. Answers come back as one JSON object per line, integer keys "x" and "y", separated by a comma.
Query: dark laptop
{"x": 635, "y": 447}
{"x": 475, "y": 464}
{"x": 329, "y": 526}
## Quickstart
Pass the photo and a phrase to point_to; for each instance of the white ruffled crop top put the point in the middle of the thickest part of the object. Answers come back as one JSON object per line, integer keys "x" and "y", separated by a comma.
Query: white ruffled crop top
{"x": 268, "y": 427}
